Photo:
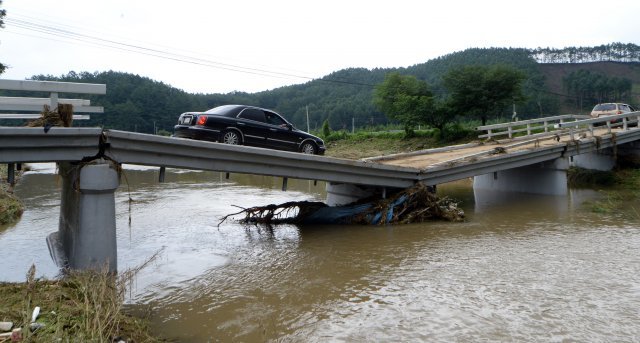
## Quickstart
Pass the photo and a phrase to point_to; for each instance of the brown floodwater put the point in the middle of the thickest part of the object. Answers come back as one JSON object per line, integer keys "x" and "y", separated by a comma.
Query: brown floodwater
{"x": 521, "y": 268}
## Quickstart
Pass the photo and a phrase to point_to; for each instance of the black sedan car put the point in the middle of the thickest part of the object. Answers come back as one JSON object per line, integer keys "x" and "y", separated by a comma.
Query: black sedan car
{"x": 248, "y": 125}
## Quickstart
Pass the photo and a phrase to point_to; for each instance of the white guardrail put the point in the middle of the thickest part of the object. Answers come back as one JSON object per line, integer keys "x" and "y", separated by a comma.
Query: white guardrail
{"x": 568, "y": 123}
{"x": 624, "y": 120}
{"x": 532, "y": 127}
{"x": 35, "y": 105}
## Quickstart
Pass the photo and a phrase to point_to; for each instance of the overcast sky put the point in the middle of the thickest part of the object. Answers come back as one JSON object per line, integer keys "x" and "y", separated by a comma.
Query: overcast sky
{"x": 254, "y": 45}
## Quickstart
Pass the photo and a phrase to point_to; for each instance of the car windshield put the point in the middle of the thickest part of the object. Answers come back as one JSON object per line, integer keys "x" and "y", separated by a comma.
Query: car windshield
{"x": 605, "y": 107}
{"x": 225, "y": 110}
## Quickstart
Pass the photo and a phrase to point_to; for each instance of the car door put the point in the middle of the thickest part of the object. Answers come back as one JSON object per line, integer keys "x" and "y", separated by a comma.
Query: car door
{"x": 251, "y": 122}
{"x": 281, "y": 135}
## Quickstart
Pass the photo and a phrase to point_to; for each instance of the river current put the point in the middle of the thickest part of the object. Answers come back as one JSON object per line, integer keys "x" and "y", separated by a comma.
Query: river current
{"x": 521, "y": 268}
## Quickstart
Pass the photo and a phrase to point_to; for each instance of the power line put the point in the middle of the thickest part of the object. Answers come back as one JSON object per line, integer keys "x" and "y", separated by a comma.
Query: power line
{"x": 143, "y": 50}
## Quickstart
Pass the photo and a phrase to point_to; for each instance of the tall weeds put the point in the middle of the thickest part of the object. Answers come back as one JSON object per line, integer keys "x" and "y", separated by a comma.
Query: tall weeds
{"x": 82, "y": 306}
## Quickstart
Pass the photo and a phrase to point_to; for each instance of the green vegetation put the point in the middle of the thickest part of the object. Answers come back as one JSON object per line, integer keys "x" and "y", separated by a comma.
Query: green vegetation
{"x": 10, "y": 207}
{"x": 596, "y": 87}
{"x": 80, "y": 307}
{"x": 622, "y": 186}
{"x": 618, "y": 52}
{"x": 326, "y": 129}
{"x": 586, "y": 178}
{"x": 480, "y": 91}
{"x": 364, "y": 144}
{"x": 136, "y": 103}
{"x": 406, "y": 99}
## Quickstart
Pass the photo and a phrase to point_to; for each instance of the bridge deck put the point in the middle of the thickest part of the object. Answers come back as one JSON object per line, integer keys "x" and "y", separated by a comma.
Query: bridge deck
{"x": 473, "y": 152}
{"x": 435, "y": 166}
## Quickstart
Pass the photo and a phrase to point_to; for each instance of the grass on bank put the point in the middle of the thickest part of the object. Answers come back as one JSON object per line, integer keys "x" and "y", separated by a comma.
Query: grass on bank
{"x": 80, "y": 307}
{"x": 363, "y": 144}
{"x": 11, "y": 208}
{"x": 89, "y": 307}
{"x": 620, "y": 186}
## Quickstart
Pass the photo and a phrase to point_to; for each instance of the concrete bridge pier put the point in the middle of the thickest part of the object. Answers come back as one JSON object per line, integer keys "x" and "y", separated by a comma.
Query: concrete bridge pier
{"x": 549, "y": 177}
{"x": 86, "y": 236}
{"x": 543, "y": 178}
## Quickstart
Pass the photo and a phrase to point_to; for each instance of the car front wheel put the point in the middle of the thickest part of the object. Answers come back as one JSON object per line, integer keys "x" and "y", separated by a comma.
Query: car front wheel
{"x": 308, "y": 148}
{"x": 231, "y": 137}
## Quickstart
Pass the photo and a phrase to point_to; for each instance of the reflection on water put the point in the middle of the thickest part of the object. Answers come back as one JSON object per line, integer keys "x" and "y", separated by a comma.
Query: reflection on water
{"x": 521, "y": 268}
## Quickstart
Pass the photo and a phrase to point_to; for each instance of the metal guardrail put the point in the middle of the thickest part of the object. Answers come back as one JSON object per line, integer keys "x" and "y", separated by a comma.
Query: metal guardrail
{"x": 53, "y": 88}
{"x": 19, "y": 145}
{"x": 145, "y": 149}
{"x": 529, "y": 126}
{"x": 32, "y": 144}
{"x": 460, "y": 169}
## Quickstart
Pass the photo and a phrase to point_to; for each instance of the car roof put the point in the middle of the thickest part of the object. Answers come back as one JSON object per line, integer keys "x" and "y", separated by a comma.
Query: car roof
{"x": 612, "y": 103}
{"x": 232, "y": 110}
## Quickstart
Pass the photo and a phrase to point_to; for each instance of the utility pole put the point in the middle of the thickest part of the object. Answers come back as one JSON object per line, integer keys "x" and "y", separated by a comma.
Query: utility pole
{"x": 353, "y": 125}
{"x": 308, "y": 119}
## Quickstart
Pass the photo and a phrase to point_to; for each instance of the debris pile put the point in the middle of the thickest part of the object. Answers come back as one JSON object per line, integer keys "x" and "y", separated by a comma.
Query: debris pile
{"x": 413, "y": 205}
{"x": 62, "y": 116}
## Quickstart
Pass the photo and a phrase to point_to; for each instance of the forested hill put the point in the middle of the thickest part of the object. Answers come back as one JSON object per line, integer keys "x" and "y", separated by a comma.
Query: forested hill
{"x": 138, "y": 103}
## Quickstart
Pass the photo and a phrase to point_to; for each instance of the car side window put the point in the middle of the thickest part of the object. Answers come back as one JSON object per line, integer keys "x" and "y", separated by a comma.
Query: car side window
{"x": 274, "y": 119}
{"x": 252, "y": 114}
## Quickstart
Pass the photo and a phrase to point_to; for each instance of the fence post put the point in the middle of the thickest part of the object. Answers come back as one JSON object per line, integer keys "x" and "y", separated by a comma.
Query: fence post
{"x": 11, "y": 176}
{"x": 54, "y": 100}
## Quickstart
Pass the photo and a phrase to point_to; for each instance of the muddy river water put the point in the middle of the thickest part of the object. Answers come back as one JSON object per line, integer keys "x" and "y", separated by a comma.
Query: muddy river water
{"x": 521, "y": 268}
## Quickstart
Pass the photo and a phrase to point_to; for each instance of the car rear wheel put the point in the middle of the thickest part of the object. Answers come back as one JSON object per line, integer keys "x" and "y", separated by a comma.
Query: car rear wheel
{"x": 231, "y": 137}
{"x": 308, "y": 148}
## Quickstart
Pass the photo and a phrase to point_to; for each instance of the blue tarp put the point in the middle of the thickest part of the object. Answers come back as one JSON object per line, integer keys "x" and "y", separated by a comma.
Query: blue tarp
{"x": 347, "y": 214}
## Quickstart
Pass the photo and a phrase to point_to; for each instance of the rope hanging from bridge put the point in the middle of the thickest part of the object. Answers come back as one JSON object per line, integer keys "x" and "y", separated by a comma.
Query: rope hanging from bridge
{"x": 413, "y": 205}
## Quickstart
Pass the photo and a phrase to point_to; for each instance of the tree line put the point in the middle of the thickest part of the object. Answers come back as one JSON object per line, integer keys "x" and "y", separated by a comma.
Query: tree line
{"x": 137, "y": 103}
{"x": 473, "y": 91}
{"x": 613, "y": 52}
{"x": 591, "y": 87}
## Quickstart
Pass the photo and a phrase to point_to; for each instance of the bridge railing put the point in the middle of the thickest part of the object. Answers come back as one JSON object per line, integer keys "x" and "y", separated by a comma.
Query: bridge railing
{"x": 531, "y": 127}
{"x": 624, "y": 121}
{"x": 35, "y": 105}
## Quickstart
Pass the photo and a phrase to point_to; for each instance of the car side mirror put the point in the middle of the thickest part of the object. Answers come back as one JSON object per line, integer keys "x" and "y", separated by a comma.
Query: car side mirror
{"x": 290, "y": 127}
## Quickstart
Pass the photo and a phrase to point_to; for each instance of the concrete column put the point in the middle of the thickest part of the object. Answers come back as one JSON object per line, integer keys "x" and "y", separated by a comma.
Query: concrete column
{"x": 542, "y": 178}
{"x": 86, "y": 237}
{"x": 598, "y": 160}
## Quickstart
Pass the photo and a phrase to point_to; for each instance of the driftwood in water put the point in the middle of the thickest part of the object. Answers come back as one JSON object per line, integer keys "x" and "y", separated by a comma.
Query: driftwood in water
{"x": 413, "y": 205}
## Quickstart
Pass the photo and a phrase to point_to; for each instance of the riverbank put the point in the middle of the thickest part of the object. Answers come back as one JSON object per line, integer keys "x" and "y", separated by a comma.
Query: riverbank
{"x": 371, "y": 144}
{"x": 85, "y": 306}
{"x": 89, "y": 306}
{"x": 10, "y": 207}
{"x": 65, "y": 288}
